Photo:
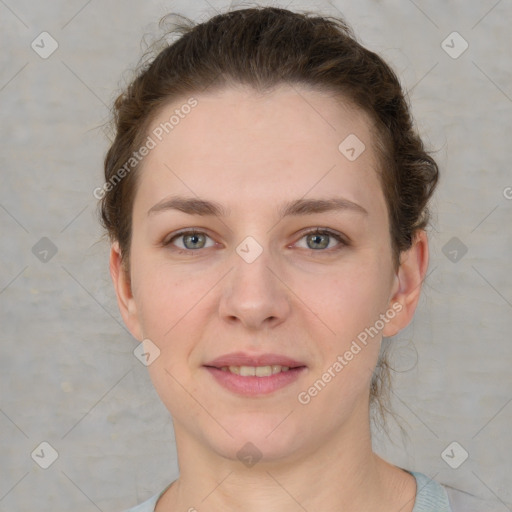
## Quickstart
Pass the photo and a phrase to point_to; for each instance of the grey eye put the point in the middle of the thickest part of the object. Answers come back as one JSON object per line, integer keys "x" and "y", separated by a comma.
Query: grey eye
{"x": 319, "y": 241}
{"x": 194, "y": 240}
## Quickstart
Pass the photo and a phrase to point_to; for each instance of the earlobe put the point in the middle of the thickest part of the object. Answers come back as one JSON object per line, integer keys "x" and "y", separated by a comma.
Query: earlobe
{"x": 122, "y": 285}
{"x": 408, "y": 281}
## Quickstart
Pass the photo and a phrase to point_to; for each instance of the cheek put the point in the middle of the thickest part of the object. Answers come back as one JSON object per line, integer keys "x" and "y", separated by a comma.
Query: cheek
{"x": 350, "y": 298}
{"x": 350, "y": 306}
{"x": 171, "y": 306}
{"x": 161, "y": 292}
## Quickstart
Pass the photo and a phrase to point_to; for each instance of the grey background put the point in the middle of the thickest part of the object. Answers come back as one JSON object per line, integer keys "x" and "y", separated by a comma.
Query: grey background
{"x": 68, "y": 373}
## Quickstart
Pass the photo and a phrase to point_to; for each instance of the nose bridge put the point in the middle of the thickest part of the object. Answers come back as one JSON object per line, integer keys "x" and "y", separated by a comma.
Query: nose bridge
{"x": 252, "y": 262}
{"x": 252, "y": 293}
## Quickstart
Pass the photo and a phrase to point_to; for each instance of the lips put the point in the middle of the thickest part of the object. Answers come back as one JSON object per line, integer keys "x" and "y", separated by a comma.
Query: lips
{"x": 243, "y": 359}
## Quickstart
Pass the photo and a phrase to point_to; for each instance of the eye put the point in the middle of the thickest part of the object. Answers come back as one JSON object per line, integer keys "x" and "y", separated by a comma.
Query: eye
{"x": 191, "y": 240}
{"x": 320, "y": 239}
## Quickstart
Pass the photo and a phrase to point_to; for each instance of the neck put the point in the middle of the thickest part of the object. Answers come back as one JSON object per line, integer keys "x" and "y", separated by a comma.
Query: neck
{"x": 341, "y": 473}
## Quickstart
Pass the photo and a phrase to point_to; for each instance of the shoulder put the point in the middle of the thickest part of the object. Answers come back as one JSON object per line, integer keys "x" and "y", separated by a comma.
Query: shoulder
{"x": 150, "y": 504}
{"x": 462, "y": 501}
{"x": 432, "y": 496}
{"x": 146, "y": 506}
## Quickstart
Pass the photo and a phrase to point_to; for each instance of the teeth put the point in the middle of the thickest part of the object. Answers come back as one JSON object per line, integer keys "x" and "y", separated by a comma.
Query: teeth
{"x": 263, "y": 371}
{"x": 256, "y": 371}
{"x": 247, "y": 371}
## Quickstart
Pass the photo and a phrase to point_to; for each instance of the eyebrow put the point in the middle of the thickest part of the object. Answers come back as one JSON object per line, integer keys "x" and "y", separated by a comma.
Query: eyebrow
{"x": 203, "y": 207}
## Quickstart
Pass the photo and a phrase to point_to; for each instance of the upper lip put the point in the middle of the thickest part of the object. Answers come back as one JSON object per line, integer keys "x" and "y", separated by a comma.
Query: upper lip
{"x": 243, "y": 359}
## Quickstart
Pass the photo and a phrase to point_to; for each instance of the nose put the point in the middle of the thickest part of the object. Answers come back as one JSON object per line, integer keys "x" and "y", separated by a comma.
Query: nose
{"x": 254, "y": 294}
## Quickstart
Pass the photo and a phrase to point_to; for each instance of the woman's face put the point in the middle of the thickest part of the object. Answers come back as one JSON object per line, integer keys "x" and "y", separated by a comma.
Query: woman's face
{"x": 254, "y": 284}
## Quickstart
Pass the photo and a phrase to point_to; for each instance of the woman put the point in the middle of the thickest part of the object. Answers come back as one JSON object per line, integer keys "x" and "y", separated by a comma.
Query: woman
{"x": 266, "y": 198}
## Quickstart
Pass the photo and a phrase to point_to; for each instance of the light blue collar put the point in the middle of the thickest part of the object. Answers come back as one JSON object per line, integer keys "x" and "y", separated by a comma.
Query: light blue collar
{"x": 430, "y": 495}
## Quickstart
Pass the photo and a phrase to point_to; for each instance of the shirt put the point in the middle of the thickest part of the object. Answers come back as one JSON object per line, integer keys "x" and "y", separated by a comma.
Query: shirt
{"x": 430, "y": 497}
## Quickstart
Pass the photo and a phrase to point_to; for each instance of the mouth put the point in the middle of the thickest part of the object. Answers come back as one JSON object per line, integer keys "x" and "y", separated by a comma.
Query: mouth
{"x": 254, "y": 375}
{"x": 256, "y": 371}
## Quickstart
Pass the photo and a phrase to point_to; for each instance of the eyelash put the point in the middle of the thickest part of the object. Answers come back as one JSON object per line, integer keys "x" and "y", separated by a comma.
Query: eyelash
{"x": 315, "y": 231}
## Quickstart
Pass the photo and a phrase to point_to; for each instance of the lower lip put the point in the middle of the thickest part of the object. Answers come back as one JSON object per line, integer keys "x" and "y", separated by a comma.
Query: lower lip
{"x": 254, "y": 386}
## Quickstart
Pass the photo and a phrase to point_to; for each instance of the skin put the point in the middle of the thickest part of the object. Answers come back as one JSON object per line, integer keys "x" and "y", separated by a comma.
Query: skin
{"x": 251, "y": 152}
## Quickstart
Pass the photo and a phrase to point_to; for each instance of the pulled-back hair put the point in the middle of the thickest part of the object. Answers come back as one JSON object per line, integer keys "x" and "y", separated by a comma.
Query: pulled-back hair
{"x": 264, "y": 47}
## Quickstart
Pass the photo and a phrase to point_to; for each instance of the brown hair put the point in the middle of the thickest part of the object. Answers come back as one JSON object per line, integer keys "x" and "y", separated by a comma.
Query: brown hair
{"x": 264, "y": 47}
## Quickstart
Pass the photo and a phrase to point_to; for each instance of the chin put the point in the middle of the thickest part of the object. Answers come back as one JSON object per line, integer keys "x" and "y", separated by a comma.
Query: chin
{"x": 257, "y": 437}
{"x": 253, "y": 450}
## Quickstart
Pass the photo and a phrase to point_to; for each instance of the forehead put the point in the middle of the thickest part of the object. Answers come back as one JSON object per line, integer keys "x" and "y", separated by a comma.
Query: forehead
{"x": 239, "y": 141}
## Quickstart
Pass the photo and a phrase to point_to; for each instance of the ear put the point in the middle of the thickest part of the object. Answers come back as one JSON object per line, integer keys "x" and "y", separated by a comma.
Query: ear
{"x": 122, "y": 284}
{"x": 407, "y": 284}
